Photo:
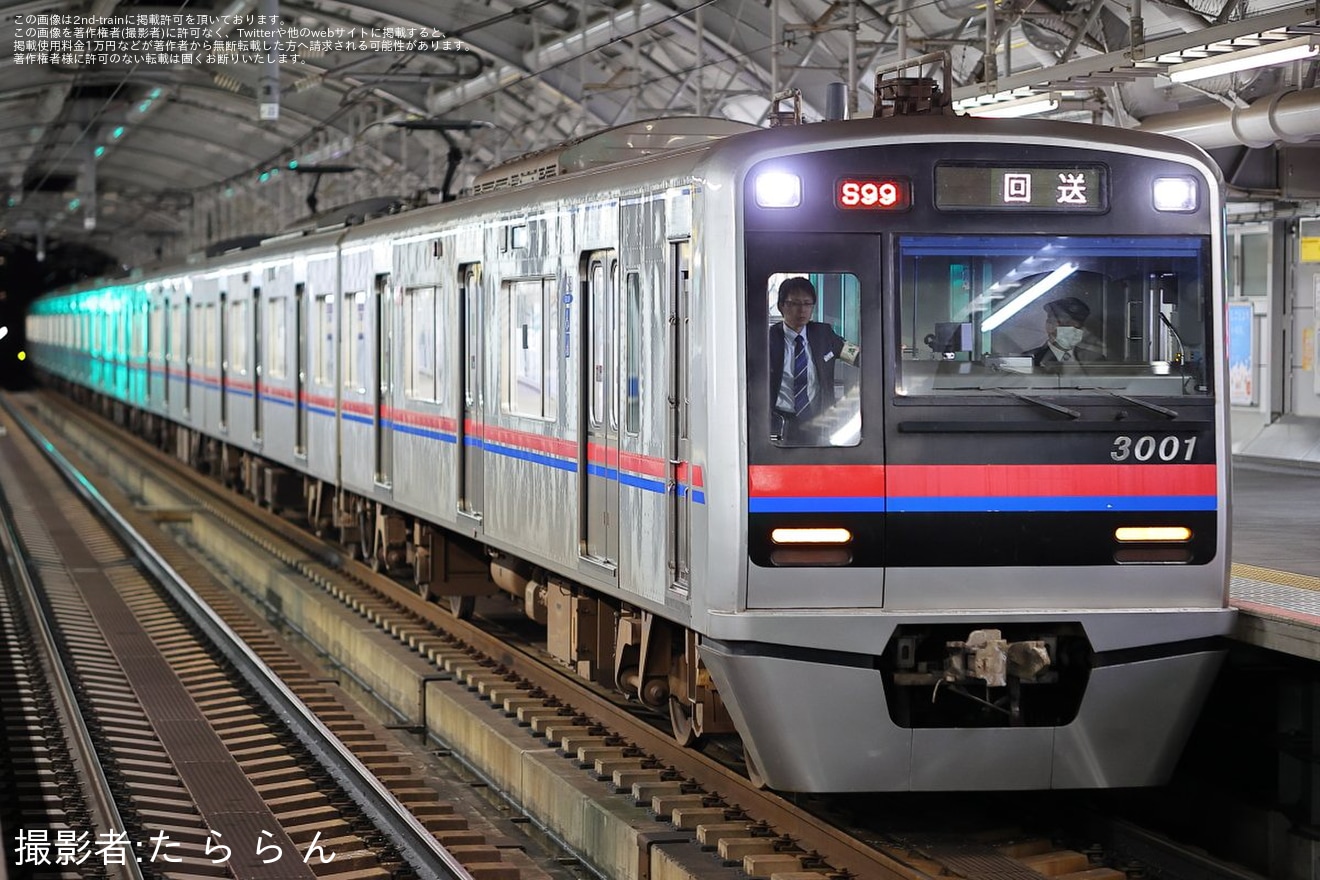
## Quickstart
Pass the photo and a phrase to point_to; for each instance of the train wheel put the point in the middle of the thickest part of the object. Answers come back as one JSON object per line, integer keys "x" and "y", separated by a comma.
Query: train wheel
{"x": 367, "y": 537}
{"x": 680, "y": 720}
{"x": 462, "y": 606}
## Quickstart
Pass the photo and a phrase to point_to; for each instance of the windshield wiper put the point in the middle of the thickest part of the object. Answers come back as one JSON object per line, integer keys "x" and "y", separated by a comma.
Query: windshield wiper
{"x": 1070, "y": 413}
{"x": 1136, "y": 401}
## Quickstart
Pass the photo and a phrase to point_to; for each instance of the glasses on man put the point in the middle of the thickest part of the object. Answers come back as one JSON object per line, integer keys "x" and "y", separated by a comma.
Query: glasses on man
{"x": 799, "y": 303}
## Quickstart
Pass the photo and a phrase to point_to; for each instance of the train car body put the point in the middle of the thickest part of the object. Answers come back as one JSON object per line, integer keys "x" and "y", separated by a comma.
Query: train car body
{"x": 975, "y": 566}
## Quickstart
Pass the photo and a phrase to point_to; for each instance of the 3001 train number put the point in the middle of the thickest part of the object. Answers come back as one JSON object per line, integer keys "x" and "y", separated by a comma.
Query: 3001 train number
{"x": 1150, "y": 448}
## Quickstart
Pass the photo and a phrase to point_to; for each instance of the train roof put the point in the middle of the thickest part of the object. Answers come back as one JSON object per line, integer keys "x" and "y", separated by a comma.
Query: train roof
{"x": 633, "y": 140}
{"x": 685, "y": 142}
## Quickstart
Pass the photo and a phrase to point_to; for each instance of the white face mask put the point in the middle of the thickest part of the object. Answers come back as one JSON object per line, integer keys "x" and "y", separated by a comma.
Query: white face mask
{"x": 1068, "y": 337}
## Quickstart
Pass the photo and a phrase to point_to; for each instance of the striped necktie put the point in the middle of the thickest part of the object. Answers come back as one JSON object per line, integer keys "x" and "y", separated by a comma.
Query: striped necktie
{"x": 800, "y": 400}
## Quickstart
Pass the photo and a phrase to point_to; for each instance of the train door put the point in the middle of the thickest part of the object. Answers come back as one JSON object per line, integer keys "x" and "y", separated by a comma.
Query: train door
{"x": 256, "y": 363}
{"x": 470, "y": 429}
{"x": 678, "y": 445}
{"x": 384, "y": 380}
{"x": 300, "y": 369}
{"x": 224, "y": 360}
{"x": 598, "y": 457}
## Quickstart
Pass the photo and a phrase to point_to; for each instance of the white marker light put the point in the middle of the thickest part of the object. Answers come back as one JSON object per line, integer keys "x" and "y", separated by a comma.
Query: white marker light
{"x": 1174, "y": 194}
{"x": 778, "y": 189}
{"x": 1131, "y": 534}
{"x": 810, "y": 536}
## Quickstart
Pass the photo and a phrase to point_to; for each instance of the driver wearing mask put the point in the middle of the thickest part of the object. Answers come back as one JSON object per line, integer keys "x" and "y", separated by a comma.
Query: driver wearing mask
{"x": 1065, "y": 321}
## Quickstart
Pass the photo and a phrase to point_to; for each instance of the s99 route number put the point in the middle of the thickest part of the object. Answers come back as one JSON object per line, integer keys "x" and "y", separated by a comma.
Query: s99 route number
{"x": 872, "y": 193}
{"x": 1149, "y": 448}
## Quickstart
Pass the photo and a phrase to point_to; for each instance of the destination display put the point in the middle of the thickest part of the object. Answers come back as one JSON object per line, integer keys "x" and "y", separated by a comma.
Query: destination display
{"x": 1073, "y": 188}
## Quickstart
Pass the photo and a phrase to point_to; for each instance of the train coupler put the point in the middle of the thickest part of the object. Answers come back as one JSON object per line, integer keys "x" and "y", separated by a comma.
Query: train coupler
{"x": 988, "y": 657}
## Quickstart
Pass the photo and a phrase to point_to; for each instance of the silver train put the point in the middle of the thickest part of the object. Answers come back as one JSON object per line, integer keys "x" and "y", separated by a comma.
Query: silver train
{"x": 949, "y": 547}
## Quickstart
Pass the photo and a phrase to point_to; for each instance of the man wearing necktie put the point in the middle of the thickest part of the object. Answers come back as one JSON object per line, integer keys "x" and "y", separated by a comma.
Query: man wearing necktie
{"x": 803, "y": 353}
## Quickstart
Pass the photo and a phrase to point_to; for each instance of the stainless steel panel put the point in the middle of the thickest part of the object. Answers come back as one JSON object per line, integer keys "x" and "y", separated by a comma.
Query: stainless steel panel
{"x": 970, "y": 759}
{"x": 777, "y": 706}
{"x": 1134, "y": 722}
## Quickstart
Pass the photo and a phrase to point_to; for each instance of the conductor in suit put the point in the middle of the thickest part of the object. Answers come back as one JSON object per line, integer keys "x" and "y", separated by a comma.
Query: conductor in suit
{"x": 803, "y": 354}
{"x": 1065, "y": 323}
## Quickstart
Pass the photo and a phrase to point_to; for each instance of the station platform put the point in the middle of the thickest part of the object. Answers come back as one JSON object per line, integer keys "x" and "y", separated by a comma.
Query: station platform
{"x": 1276, "y": 556}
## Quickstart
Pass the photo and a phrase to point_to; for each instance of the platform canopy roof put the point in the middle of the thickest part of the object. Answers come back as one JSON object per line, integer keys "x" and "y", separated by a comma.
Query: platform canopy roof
{"x": 155, "y": 130}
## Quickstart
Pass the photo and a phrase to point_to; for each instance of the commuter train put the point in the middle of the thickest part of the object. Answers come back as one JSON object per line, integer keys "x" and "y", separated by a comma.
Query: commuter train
{"x": 994, "y": 556}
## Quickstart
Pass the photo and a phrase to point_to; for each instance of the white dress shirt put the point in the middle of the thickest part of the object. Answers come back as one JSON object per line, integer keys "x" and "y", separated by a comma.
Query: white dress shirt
{"x": 785, "y": 401}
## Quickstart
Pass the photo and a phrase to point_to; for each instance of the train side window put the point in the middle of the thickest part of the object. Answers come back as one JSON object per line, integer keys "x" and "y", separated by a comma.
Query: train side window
{"x": 528, "y": 372}
{"x": 602, "y": 338}
{"x": 137, "y": 334}
{"x": 597, "y": 335}
{"x": 156, "y": 333}
{"x": 323, "y": 349}
{"x": 277, "y": 337}
{"x": 421, "y": 352}
{"x": 814, "y": 323}
{"x": 209, "y": 333}
{"x": 355, "y": 343}
{"x": 632, "y": 382}
{"x": 176, "y": 349}
{"x": 237, "y": 337}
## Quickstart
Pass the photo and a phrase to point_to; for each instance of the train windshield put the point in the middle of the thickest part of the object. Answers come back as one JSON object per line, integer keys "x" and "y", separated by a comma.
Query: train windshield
{"x": 989, "y": 314}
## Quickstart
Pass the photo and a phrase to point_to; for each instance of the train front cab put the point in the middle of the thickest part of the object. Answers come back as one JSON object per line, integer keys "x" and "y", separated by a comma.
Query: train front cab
{"x": 980, "y": 566}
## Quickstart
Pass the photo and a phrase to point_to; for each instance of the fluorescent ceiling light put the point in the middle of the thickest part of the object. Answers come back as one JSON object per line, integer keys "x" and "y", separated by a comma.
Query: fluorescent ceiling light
{"x": 1013, "y": 109}
{"x": 1247, "y": 59}
{"x": 964, "y": 104}
{"x": 1028, "y": 296}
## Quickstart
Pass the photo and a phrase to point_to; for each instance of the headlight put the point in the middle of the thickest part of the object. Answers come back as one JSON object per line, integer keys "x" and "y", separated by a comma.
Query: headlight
{"x": 778, "y": 189}
{"x": 1174, "y": 194}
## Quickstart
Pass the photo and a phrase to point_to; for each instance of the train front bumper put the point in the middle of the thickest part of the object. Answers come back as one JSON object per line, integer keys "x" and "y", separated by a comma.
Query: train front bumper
{"x": 820, "y": 727}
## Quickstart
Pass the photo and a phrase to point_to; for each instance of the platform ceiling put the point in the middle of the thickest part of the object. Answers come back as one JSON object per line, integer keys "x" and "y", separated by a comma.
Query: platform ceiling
{"x": 164, "y": 154}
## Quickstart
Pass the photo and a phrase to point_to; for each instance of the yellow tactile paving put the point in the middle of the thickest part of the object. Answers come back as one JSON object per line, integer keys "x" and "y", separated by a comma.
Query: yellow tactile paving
{"x": 1274, "y": 576}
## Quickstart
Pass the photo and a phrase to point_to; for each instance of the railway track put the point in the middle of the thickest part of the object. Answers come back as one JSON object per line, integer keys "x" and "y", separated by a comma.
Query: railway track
{"x": 703, "y": 815}
{"x": 49, "y": 768}
{"x": 223, "y": 753}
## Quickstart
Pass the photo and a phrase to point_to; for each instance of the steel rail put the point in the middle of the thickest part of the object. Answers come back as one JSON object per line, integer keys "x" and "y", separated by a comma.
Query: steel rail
{"x": 415, "y": 843}
{"x": 79, "y": 738}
